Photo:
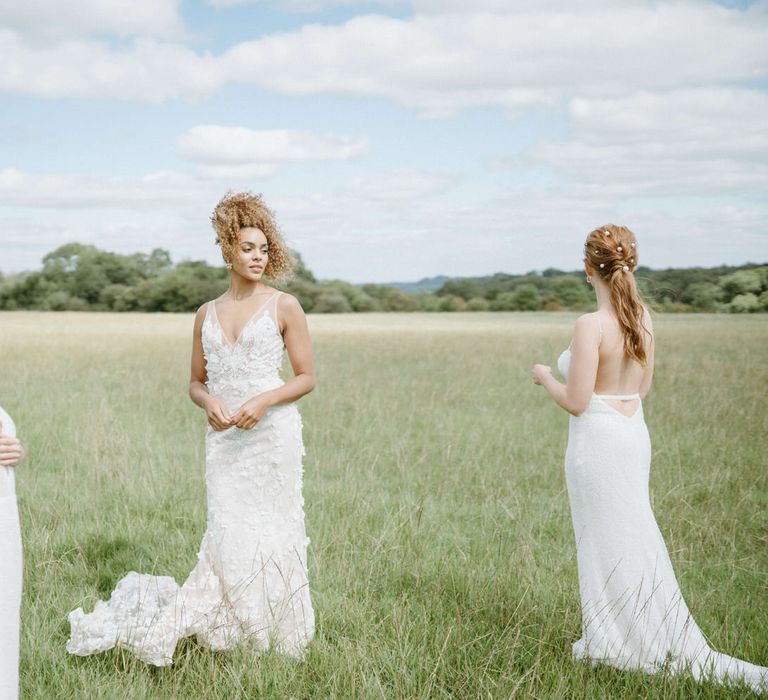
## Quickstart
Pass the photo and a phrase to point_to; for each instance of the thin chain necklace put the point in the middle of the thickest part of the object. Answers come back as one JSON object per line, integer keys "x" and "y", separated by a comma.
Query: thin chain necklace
{"x": 252, "y": 294}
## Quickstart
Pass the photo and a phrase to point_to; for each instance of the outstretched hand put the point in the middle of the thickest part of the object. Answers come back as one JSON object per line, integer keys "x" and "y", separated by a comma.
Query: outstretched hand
{"x": 11, "y": 450}
{"x": 539, "y": 372}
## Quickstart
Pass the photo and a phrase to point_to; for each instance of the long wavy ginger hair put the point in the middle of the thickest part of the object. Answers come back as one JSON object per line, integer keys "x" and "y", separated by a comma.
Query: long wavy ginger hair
{"x": 611, "y": 252}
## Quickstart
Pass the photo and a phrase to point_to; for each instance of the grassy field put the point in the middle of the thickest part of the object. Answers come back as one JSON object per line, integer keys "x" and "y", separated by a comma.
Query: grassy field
{"x": 442, "y": 561}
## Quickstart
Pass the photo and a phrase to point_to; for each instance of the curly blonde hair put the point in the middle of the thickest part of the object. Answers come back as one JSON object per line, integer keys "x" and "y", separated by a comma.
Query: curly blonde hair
{"x": 247, "y": 210}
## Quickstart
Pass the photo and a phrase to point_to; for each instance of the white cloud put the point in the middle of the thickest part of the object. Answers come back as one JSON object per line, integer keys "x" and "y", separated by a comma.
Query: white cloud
{"x": 690, "y": 142}
{"x": 53, "y": 18}
{"x": 659, "y": 135}
{"x": 505, "y": 7}
{"x": 308, "y": 6}
{"x": 435, "y": 63}
{"x": 236, "y": 173}
{"x": 214, "y": 144}
{"x": 148, "y": 71}
{"x": 368, "y": 230}
{"x": 162, "y": 189}
{"x": 398, "y": 186}
{"x": 516, "y": 233}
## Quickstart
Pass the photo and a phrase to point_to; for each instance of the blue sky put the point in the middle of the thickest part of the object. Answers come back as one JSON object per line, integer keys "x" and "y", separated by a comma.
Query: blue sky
{"x": 395, "y": 140}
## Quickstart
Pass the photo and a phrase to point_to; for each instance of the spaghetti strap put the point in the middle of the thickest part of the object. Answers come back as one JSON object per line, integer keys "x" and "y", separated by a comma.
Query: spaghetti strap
{"x": 273, "y": 301}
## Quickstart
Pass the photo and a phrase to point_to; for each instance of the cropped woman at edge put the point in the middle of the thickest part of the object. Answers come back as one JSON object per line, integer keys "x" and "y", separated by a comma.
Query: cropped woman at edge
{"x": 11, "y": 453}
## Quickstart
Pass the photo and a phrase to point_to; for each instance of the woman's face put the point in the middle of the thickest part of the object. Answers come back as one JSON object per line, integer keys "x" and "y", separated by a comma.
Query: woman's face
{"x": 251, "y": 254}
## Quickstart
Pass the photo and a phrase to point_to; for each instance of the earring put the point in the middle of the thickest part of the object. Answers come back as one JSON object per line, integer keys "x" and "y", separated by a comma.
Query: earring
{"x": 589, "y": 279}
{"x": 229, "y": 266}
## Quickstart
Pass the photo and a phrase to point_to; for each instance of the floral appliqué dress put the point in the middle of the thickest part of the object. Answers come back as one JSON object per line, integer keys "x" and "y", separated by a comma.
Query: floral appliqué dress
{"x": 250, "y": 583}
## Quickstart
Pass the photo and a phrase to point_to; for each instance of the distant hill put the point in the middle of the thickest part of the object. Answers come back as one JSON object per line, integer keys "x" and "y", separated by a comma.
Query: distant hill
{"x": 428, "y": 284}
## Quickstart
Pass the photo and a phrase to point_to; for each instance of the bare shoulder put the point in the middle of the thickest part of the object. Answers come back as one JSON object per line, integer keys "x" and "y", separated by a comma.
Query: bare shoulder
{"x": 587, "y": 323}
{"x": 201, "y": 312}
{"x": 289, "y": 305}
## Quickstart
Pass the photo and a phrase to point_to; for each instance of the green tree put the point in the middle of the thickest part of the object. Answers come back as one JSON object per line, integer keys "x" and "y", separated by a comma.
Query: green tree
{"x": 184, "y": 288}
{"x": 464, "y": 288}
{"x": 330, "y": 302}
{"x": 27, "y": 291}
{"x": 301, "y": 271}
{"x": 527, "y": 298}
{"x": 704, "y": 296}
{"x": 64, "y": 301}
{"x": 744, "y": 303}
{"x": 740, "y": 282}
{"x": 477, "y": 304}
{"x": 571, "y": 291}
{"x": 358, "y": 299}
{"x": 504, "y": 301}
{"x": 451, "y": 303}
{"x": 396, "y": 300}
{"x": 306, "y": 292}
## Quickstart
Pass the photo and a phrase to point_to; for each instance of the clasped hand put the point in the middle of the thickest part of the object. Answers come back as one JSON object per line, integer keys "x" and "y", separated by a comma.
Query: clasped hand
{"x": 246, "y": 417}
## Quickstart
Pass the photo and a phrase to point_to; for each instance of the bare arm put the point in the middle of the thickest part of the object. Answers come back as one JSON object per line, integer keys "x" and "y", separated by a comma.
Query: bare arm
{"x": 218, "y": 416}
{"x": 647, "y": 380}
{"x": 575, "y": 395}
{"x": 297, "y": 343}
{"x": 299, "y": 348}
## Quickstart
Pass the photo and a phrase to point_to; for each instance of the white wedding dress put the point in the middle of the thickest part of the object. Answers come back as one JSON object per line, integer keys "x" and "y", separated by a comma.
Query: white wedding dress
{"x": 10, "y": 575}
{"x": 250, "y": 582}
{"x": 633, "y": 613}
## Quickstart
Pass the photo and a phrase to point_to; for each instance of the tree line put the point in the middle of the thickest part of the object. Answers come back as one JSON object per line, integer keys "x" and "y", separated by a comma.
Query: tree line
{"x": 77, "y": 277}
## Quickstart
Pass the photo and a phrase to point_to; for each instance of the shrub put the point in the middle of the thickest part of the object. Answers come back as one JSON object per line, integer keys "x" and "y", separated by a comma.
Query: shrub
{"x": 744, "y": 303}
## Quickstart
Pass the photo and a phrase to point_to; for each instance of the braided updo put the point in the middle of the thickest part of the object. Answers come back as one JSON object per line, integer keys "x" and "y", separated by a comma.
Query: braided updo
{"x": 611, "y": 252}
{"x": 247, "y": 210}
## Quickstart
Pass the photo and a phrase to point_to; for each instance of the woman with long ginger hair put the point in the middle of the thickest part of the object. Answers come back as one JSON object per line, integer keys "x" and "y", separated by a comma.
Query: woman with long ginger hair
{"x": 250, "y": 583}
{"x": 633, "y": 613}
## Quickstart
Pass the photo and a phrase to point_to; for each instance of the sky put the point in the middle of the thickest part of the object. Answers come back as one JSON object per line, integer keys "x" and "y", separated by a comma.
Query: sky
{"x": 395, "y": 140}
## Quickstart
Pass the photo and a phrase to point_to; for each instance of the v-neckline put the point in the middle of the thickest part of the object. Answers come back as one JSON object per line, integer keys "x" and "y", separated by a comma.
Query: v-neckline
{"x": 247, "y": 323}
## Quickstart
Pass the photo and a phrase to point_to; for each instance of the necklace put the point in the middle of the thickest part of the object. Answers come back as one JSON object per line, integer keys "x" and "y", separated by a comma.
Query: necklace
{"x": 252, "y": 294}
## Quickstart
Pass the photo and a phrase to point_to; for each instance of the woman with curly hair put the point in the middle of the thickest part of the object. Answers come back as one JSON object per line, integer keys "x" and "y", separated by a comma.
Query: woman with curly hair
{"x": 250, "y": 583}
{"x": 633, "y": 613}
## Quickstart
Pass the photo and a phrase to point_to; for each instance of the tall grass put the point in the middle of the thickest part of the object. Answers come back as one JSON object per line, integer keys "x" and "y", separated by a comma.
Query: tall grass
{"x": 442, "y": 560}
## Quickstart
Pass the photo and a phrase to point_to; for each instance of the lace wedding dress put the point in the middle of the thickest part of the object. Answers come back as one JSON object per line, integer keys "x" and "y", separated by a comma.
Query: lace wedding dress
{"x": 633, "y": 613}
{"x": 10, "y": 575}
{"x": 250, "y": 582}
